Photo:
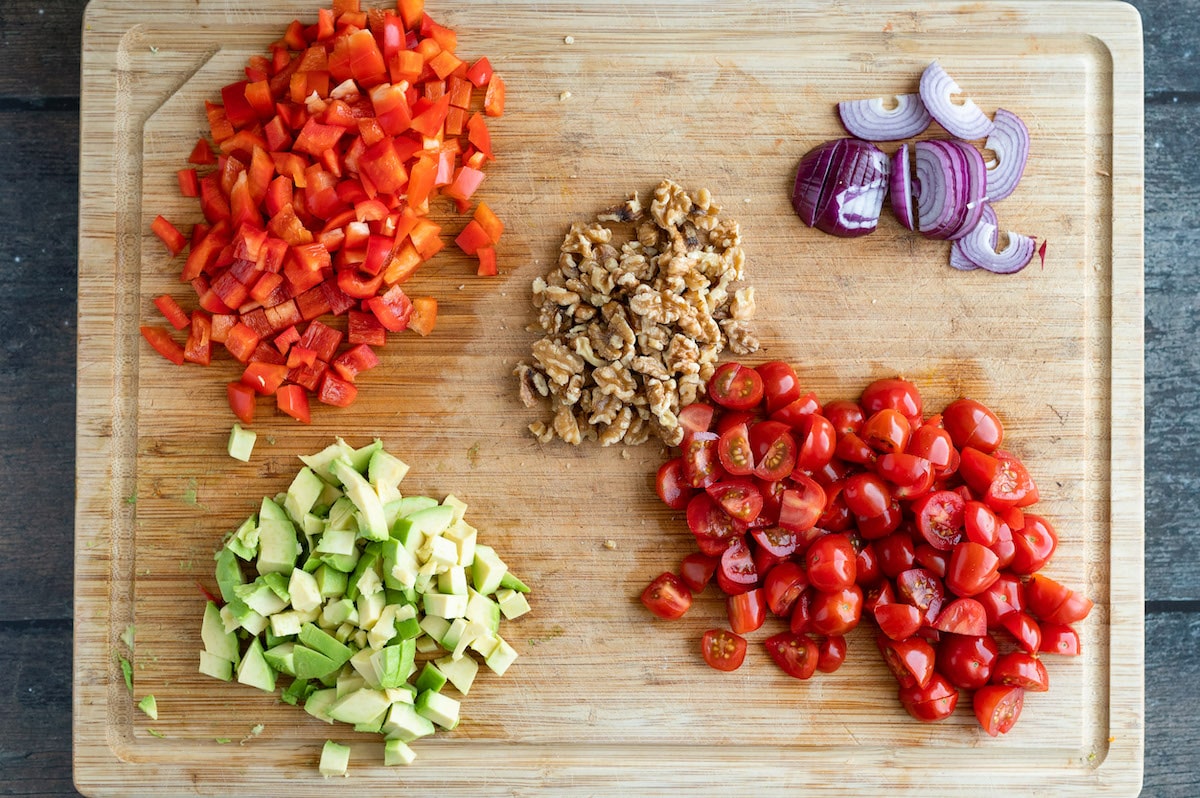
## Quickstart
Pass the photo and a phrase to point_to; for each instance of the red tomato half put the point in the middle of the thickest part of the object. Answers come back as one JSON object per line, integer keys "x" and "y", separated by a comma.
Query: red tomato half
{"x": 781, "y": 386}
{"x": 667, "y": 597}
{"x": 997, "y": 708}
{"x": 967, "y": 661}
{"x": 747, "y": 611}
{"x": 910, "y": 660}
{"x": 740, "y": 498}
{"x": 671, "y": 485}
{"x": 831, "y": 562}
{"x": 783, "y": 585}
{"x": 923, "y": 590}
{"x": 939, "y": 518}
{"x": 893, "y": 394}
{"x": 723, "y": 650}
{"x": 736, "y": 573}
{"x": 795, "y": 654}
{"x": 736, "y": 386}
{"x": 970, "y": 423}
{"x": 697, "y": 569}
{"x": 1059, "y": 638}
{"x": 931, "y": 703}
{"x": 973, "y": 568}
{"x": 831, "y": 653}
{"x": 836, "y": 612}
{"x": 898, "y": 621}
{"x": 700, "y": 466}
{"x": 800, "y": 506}
{"x": 1033, "y": 545}
{"x": 964, "y": 616}
{"x": 733, "y": 450}
{"x": 1021, "y": 669}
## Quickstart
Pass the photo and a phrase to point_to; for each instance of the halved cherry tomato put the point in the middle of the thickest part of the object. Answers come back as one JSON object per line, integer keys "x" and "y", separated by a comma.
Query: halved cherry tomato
{"x": 774, "y": 450}
{"x": 980, "y": 524}
{"x": 967, "y": 661}
{"x": 795, "y": 654}
{"x": 671, "y": 485}
{"x": 697, "y": 570}
{"x": 866, "y": 495}
{"x": 923, "y": 590}
{"x": 939, "y": 517}
{"x": 1059, "y": 638}
{"x": 973, "y": 568}
{"x": 696, "y": 417}
{"x": 845, "y": 415}
{"x": 1024, "y": 629}
{"x": 836, "y": 612}
{"x": 831, "y": 563}
{"x": 713, "y": 527}
{"x": 818, "y": 440}
{"x": 997, "y": 708}
{"x": 781, "y": 386}
{"x": 931, "y": 703}
{"x": 892, "y": 394}
{"x": 775, "y": 542}
{"x": 736, "y": 386}
{"x": 1012, "y": 486}
{"x": 802, "y": 505}
{"x": 747, "y": 611}
{"x": 723, "y": 650}
{"x": 898, "y": 621}
{"x": 783, "y": 585}
{"x": 733, "y": 451}
{"x": 932, "y": 559}
{"x": 1003, "y": 596}
{"x": 886, "y": 431}
{"x": 740, "y": 498}
{"x": 934, "y": 444}
{"x": 867, "y": 571}
{"x": 910, "y": 660}
{"x": 667, "y": 597}
{"x": 897, "y": 553}
{"x": 964, "y": 616}
{"x": 736, "y": 573}
{"x": 700, "y": 467}
{"x": 797, "y": 413}
{"x": 1034, "y": 545}
{"x": 1023, "y": 670}
{"x": 911, "y": 476}
{"x": 798, "y": 622}
{"x": 831, "y": 653}
{"x": 1054, "y": 602}
{"x": 972, "y": 424}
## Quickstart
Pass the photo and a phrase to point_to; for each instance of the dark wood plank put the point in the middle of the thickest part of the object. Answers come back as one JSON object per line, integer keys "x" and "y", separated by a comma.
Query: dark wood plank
{"x": 1171, "y": 31}
{"x": 1172, "y": 737}
{"x": 37, "y": 360}
{"x": 39, "y": 48}
{"x": 35, "y": 689}
{"x": 1172, "y": 356}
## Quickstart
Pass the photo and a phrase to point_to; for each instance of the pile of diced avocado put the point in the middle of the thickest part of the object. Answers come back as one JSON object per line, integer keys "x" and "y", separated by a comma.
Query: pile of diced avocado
{"x": 369, "y": 601}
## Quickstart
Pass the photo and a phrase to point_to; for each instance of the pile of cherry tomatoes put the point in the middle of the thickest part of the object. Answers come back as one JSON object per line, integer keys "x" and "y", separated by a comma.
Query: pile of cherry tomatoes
{"x": 821, "y": 514}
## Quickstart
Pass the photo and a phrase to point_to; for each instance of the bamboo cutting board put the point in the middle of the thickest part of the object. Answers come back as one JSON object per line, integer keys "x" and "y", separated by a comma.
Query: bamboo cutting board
{"x": 722, "y": 95}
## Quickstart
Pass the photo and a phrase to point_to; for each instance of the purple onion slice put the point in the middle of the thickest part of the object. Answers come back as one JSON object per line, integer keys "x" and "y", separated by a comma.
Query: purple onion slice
{"x": 841, "y": 186}
{"x": 960, "y": 261}
{"x": 900, "y": 188}
{"x": 949, "y": 185}
{"x": 965, "y": 121}
{"x": 1009, "y": 140}
{"x": 872, "y": 121}
{"x": 1016, "y": 255}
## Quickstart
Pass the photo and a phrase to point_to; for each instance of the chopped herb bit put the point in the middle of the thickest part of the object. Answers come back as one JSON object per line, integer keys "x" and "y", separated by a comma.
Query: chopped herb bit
{"x": 222, "y": 740}
{"x": 157, "y": 734}
{"x": 150, "y": 706}
{"x": 126, "y": 671}
{"x": 128, "y": 635}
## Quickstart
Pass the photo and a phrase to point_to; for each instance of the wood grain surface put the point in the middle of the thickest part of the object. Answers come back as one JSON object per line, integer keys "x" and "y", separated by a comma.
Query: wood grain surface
{"x": 37, "y": 392}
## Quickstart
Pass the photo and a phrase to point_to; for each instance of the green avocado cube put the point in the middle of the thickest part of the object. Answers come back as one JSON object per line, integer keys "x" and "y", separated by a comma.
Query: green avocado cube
{"x": 335, "y": 758}
{"x": 216, "y": 667}
{"x": 397, "y": 752}
{"x": 217, "y": 641}
{"x": 319, "y": 640}
{"x": 360, "y": 706}
{"x": 461, "y": 672}
{"x": 372, "y": 522}
{"x": 405, "y": 723}
{"x": 244, "y": 540}
{"x": 302, "y": 494}
{"x": 430, "y": 679}
{"x": 228, "y": 572}
{"x": 439, "y": 708}
{"x": 254, "y": 670}
{"x": 310, "y": 664}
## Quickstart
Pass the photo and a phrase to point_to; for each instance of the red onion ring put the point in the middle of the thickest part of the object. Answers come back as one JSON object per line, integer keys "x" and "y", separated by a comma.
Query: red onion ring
{"x": 960, "y": 261}
{"x": 1015, "y": 256}
{"x": 871, "y": 121}
{"x": 900, "y": 188}
{"x": 1009, "y": 140}
{"x": 950, "y": 181}
{"x": 840, "y": 187}
{"x": 965, "y": 121}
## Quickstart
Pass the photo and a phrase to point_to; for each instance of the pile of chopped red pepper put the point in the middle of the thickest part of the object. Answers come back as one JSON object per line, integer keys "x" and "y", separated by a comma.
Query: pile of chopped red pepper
{"x": 327, "y": 158}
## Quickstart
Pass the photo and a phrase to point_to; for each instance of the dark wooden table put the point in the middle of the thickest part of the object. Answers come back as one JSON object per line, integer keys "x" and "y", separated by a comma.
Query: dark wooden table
{"x": 39, "y": 152}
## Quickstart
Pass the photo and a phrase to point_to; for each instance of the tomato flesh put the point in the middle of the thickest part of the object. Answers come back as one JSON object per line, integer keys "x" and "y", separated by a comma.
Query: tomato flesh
{"x": 997, "y": 708}
{"x": 723, "y": 650}
{"x": 795, "y": 654}
{"x": 667, "y": 597}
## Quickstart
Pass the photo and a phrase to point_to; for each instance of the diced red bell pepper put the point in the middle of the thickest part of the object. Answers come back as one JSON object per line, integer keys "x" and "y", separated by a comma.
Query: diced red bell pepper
{"x": 218, "y": 123}
{"x": 493, "y": 99}
{"x": 339, "y": 301}
{"x": 355, "y": 360}
{"x": 316, "y": 138}
{"x": 299, "y": 357}
{"x": 283, "y": 342}
{"x": 283, "y": 315}
{"x": 169, "y": 234}
{"x": 426, "y": 237}
{"x": 258, "y": 96}
{"x": 222, "y": 323}
{"x": 238, "y": 110}
{"x": 444, "y": 63}
{"x": 312, "y": 303}
{"x": 160, "y": 338}
{"x": 265, "y": 286}
{"x": 322, "y": 339}
{"x": 424, "y": 315}
{"x": 336, "y": 391}
{"x": 412, "y": 12}
{"x": 364, "y": 328}
{"x": 406, "y": 66}
{"x": 480, "y": 72}
{"x": 241, "y": 401}
{"x": 229, "y": 289}
{"x": 366, "y": 61}
{"x": 487, "y": 262}
{"x": 358, "y": 285}
{"x": 202, "y": 154}
{"x": 429, "y": 122}
{"x": 256, "y": 320}
{"x": 171, "y": 311}
{"x": 293, "y": 400}
{"x": 198, "y": 348}
{"x": 404, "y": 264}
{"x": 203, "y": 256}
{"x": 264, "y": 378}
{"x": 241, "y": 342}
{"x": 472, "y": 237}
{"x": 379, "y": 252}
{"x": 421, "y": 179}
{"x": 242, "y": 207}
{"x": 309, "y": 376}
{"x": 382, "y": 165}
{"x": 392, "y": 308}
{"x": 446, "y": 38}
{"x": 478, "y": 134}
{"x": 189, "y": 182}
{"x": 466, "y": 182}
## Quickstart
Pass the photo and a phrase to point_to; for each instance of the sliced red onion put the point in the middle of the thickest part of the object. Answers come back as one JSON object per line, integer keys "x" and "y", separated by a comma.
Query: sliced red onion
{"x": 1014, "y": 257}
{"x": 840, "y": 187}
{"x": 870, "y": 120}
{"x": 960, "y": 261}
{"x": 900, "y": 188}
{"x": 950, "y": 181}
{"x": 966, "y": 121}
{"x": 1009, "y": 139}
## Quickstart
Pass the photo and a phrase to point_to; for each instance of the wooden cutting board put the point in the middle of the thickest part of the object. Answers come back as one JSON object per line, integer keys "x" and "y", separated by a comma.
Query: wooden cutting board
{"x": 721, "y": 95}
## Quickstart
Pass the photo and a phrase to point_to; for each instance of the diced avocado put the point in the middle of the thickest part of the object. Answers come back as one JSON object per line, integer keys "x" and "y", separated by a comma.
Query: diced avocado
{"x": 370, "y": 609}
{"x": 338, "y": 612}
{"x": 329, "y": 494}
{"x": 408, "y": 629}
{"x": 217, "y": 641}
{"x": 404, "y": 723}
{"x": 453, "y": 580}
{"x": 430, "y": 679}
{"x": 373, "y": 725}
{"x": 302, "y": 494}
{"x": 439, "y": 552}
{"x": 241, "y": 443}
{"x": 278, "y": 546}
{"x": 404, "y": 694}
{"x": 149, "y": 705}
{"x": 348, "y": 681}
{"x": 461, "y": 672}
{"x": 385, "y": 470}
{"x": 337, "y": 541}
{"x": 435, "y": 627}
{"x": 397, "y": 752}
{"x": 366, "y": 562}
{"x": 335, "y": 758}
{"x": 361, "y": 706}
{"x": 278, "y": 584}
{"x": 254, "y": 670}
{"x": 384, "y": 628}
{"x": 454, "y": 633}
{"x": 318, "y": 703}
{"x": 460, "y": 507}
{"x": 464, "y": 537}
{"x": 511, "y": 582}
{"x": 512, "y": 603}
{"x": 399, "y": 565}
{"x": 244, "y": 540}
{"x": 438, "y": 707}
{"x": 288, "y": 623}
{"x": 474, "y": 631}
{"x": 320, "y": 461}
{"x": 228, "y": 572}
{"x": 487, "y": 570}
{"x": 304, "y": 591}
{"x": 310, "y": 664}
{"x": 361, "y": 457}
{"x": 444, "y": 605}
{"x": 259, "y": 597}
{"x": 341, "y": 515}
{"x": 503, "y": 656}
{"x": 282, "y": 658}
{"x": 372, "y": 524}
{"x": 236, "y": 615}
{"x": 411, "y": 504}
{"x": 315, "y": 638}
{"x": 395, "y": 662}
{"x": 216, "y": 667}
{"x": 483, "y": 610}
{"x": 341, "y": 562}
{"x": 432, "y": 520}
{"x": 427, "y": 645}
{"x": 270, "y": 510}
{"x": 484, "y": 643}
{"x": 297, "y": 692}
{"x": 331, "y": 582}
